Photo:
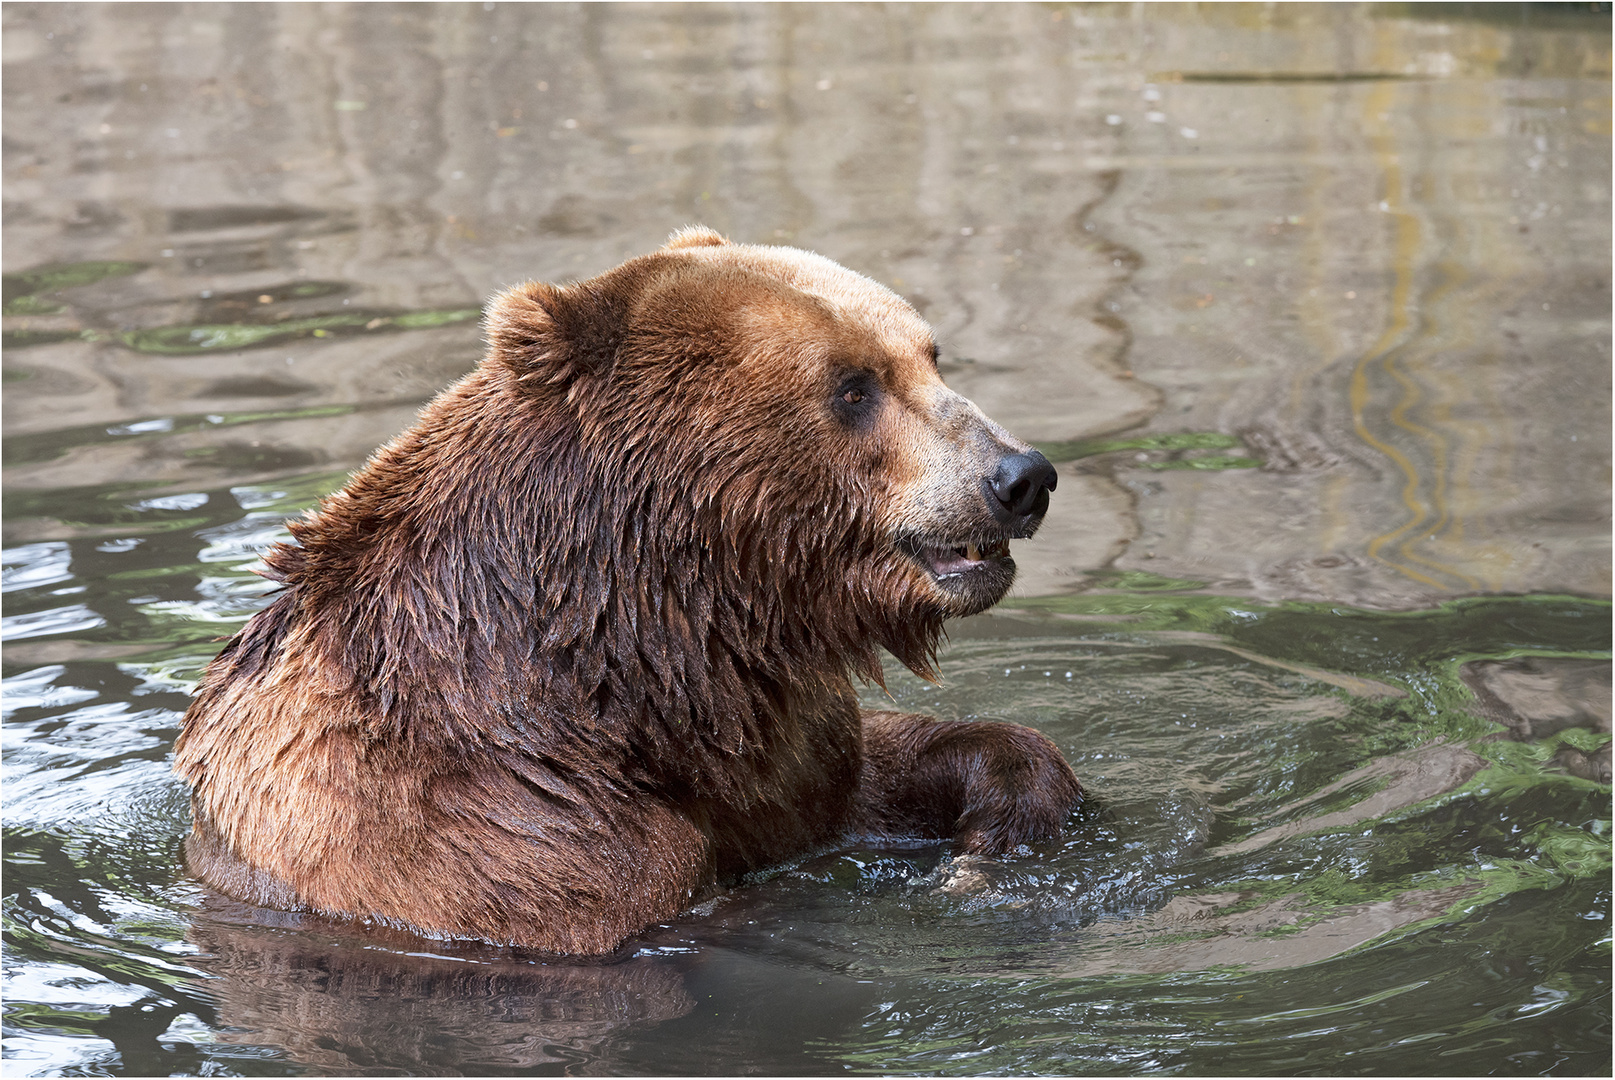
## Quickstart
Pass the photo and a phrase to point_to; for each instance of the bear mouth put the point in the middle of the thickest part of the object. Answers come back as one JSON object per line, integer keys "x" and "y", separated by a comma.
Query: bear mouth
{"x": 969, "y": 576}
{"x": 954, "y": 560}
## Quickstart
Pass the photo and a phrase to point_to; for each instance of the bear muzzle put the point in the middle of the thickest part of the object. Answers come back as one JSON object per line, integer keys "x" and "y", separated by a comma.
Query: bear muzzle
{"x": 972, "y": 566}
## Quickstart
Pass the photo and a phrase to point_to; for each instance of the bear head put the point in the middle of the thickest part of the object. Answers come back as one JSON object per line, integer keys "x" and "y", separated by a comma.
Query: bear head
{"x": 770, "y": 406}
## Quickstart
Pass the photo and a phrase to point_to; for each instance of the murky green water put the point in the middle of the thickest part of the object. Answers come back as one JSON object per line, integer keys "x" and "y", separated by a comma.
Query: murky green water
{"x": 1312, "y": 305}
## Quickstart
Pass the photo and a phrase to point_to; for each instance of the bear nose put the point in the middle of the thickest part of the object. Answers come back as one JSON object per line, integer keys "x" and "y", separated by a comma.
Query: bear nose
{"x": 1021, "y": 486}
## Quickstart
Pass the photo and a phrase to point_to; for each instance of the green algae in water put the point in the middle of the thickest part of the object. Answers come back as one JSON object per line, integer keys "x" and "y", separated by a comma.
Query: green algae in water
{"x": 21, "y": 290}
{"x": 22, "y": 339}
{"x": 199, "y": 338}
{"x": 46, "y": 446}
{"x": 187, "y": 340}
{"x": 1382, "y": 641}
{"x": 33, "y": 305}
{"x": 1180, "y": 440}
{"x": 1186, "y": 448}
{"x": 1140, "y": 581}
{"x": 1209, "y": 463}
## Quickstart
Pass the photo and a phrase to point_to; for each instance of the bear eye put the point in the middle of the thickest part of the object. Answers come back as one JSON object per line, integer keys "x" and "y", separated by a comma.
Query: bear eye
{"x": 855, "y": 399}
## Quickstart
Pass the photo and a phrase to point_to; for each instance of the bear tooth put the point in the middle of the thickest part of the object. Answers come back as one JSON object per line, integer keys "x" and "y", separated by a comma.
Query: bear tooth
{"x": 972, "y": 553}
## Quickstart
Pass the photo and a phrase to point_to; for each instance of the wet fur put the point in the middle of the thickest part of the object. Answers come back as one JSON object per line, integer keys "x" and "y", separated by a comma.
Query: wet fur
{"x": 579, "y": 644}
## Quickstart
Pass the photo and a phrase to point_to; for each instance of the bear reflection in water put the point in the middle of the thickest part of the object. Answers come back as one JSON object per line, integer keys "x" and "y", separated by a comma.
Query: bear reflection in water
{"x": 578, "y": 647}
{"x": 341, "y": 1000}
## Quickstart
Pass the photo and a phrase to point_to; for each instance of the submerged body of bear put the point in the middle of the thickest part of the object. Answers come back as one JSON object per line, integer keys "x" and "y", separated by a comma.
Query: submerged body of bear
{"x": 579, "y": 644}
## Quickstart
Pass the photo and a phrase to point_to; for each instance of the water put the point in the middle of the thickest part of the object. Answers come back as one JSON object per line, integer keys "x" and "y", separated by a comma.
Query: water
{"x": 1311, "y": 304}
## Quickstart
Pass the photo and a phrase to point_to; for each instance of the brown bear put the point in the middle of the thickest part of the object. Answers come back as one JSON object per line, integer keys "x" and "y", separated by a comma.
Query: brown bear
{"x": 578, "y": 646}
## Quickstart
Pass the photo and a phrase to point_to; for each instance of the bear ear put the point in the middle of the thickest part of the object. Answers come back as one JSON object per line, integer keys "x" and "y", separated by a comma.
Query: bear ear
{"x": 549, "y": 334}
{"x": 694, "y": 236}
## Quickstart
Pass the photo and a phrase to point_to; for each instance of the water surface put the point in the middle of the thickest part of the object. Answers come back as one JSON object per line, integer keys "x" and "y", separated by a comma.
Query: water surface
{"x": 1311, "y": 304}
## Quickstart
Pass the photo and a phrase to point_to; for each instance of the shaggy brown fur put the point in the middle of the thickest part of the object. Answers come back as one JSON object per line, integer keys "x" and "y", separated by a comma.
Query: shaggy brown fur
{"x": 578, "y": 645}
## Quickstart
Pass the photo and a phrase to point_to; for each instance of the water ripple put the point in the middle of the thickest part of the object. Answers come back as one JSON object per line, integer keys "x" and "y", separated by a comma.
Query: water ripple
{"x": 33, "y": 566}
{"x": 74, "y": 619}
